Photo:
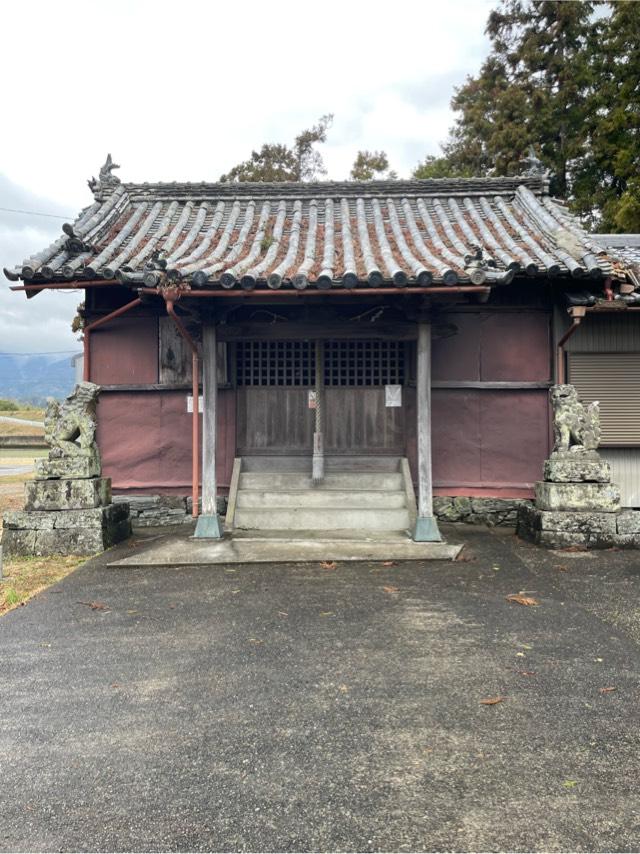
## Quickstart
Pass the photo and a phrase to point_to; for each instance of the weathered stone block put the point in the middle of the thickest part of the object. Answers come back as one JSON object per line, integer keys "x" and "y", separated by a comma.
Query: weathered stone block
{"x": 561, "y": 539}
{"x": 570, "y": 522}
{"x": 16, "y": 542}
{"x": 66, "y": 532}
{"x": 69, "y": 467}
{"x": 47, "y": 520}
{"x": 577, "y": 470}
{"x": 81, "y": 541}
{"x": 36, "y": 520}
{"x": 577, "y": 496}
{"x": 67, "y": 494}
{"x": 628, "y": 541}
{"x": 629, "y": 522}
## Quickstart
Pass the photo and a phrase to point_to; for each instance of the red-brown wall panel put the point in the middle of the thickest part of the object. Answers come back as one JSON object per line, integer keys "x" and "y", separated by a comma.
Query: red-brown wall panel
{"x": 515, "y": 346}
{"x": 145, "y": 440}
{"x": 125, "y": 352}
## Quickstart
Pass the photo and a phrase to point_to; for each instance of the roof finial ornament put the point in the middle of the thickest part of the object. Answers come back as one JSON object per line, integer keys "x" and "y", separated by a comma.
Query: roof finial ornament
{"x": 106, "y": 180}
{"x": 535, "y": 166}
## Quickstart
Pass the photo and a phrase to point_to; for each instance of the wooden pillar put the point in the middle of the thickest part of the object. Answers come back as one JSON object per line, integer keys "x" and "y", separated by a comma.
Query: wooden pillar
{"x": 208, "y": 525}
{"x": 426, "y": 525}
{"x": 317, "y": 464}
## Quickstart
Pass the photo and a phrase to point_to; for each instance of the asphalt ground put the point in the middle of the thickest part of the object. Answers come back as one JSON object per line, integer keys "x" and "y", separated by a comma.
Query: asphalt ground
{"x": 294, "y": 707}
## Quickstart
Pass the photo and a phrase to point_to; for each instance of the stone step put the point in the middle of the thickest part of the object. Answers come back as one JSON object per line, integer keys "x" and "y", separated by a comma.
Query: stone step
{"x": 321, "y": 498}
{"x": 322, "y": 518}
{"x": 333, "y": 481}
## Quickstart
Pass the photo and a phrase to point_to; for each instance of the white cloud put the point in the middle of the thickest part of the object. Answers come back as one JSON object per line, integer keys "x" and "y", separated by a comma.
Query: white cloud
{"x": 183, "y": 91}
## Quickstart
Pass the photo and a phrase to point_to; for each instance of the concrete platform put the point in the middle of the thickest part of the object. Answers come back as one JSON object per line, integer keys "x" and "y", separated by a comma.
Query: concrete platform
{"x": 181, "y": 549}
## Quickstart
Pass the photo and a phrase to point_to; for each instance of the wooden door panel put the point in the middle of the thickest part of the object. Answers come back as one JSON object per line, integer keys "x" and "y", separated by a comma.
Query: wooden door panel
{"x": 358, "y": 422}
{"x": 274, "y": 420}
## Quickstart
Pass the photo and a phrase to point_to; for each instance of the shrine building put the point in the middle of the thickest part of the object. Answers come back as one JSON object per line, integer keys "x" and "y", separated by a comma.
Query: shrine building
{"x": 364, "y": 356}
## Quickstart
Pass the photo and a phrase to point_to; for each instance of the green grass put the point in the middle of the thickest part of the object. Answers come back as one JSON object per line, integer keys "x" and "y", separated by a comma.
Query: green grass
{"x": 25, "y": 577}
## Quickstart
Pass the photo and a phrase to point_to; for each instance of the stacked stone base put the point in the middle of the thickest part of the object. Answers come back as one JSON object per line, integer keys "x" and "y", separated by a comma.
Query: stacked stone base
{"x": 151, "y": 511}
{"x": 493, "y": 512}
{"x": 68, "y": 516}
{"x": 577, "y": 506}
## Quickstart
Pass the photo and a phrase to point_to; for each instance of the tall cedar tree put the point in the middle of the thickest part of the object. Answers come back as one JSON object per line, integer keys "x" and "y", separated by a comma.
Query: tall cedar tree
{"x": 565, "y": 78}
{"x": 613, "y": 175}
{"x": 531, "y": 90}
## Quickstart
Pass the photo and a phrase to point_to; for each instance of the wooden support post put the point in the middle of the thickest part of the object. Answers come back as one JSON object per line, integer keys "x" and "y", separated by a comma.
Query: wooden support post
{"x": 208, "y": 525}
{"x": 426, "y": 526}
{"x": 317, "y": 464}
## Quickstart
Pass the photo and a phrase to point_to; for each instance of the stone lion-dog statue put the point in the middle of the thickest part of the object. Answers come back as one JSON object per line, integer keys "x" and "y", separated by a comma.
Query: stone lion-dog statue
{"x": 576, "y": 427}
{"x": 70, "y": 432}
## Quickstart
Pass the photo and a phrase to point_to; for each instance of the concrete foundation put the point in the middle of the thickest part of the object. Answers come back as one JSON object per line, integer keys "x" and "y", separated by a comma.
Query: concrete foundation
{"x": 281, "y": 547}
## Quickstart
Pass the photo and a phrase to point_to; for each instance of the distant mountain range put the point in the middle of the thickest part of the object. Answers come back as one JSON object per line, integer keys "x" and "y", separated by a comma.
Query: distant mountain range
{"x": 34, "y": 378}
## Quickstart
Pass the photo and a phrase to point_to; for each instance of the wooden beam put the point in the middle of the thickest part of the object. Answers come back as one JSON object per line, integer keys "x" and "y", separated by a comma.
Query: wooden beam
{"x": 490, "y": 385}
{"x": 426, "y": 529}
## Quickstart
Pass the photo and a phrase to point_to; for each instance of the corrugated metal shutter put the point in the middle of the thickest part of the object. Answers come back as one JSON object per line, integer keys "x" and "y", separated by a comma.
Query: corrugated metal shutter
{"x": 614, "y": 380}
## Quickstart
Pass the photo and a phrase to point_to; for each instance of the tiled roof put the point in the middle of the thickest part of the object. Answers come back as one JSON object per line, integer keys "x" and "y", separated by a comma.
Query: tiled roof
{"x": 321, "y": 235}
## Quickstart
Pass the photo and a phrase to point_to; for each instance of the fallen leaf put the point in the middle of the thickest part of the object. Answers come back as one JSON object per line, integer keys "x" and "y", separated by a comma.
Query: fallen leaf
{"x": 569, "y": 784}
{"x": 115, "y": 685}
{"x": 520, "y": 654}
{"x": 255, "y": 640}
{"x": 343, "y": 688}
{"x": 96, "y": 606}
{"x": 327, "y": 613}
{"x": 561, "y": 568}
{"x": 389, "y": 563}
{"x": 607, "y": 690}
{"x": 521, "y": 600}
{"x": 492, "y": 701}
{"x": 389, "y": 588}
{"x": 527, "y": 672}
{"x": 328, "y": 564}
{"x": 132, "y": 611}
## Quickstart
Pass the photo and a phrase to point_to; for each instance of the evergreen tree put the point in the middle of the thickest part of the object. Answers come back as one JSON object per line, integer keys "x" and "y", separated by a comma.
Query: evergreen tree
{"x": 532, "y": 90}
{"x": 371, "y": 164}
{"x": 565, "y": 78}
{"x": 278, "y": 162}
{"x": 614, "y": 123}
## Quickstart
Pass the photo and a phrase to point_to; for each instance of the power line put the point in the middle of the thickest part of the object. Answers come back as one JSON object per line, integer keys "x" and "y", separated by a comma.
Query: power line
{"x": 35, "y": 213}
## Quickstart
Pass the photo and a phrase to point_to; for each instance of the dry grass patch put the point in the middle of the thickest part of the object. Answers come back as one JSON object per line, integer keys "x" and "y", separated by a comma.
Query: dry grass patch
{"x": 7, "y": 428}
{"x": 27, "y": 576}
{"x": 29, "y": 413}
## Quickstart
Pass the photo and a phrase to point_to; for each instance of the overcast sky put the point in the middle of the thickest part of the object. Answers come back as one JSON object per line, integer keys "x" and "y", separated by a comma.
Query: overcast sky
{"x": 183, "y": 91}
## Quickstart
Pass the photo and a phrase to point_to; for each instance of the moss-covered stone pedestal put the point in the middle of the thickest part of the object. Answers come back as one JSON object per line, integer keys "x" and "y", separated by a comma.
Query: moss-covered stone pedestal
{"x": 66, "y": 516}
{"x": 68, "y": 508}
{"x": 575, "y": 505}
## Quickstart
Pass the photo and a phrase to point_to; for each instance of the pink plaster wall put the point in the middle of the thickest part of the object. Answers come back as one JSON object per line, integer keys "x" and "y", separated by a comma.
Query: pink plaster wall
{"x": 489, "y": 441}
{"x": 484, "y": 441}
{"x": 145, "y": 440}
{"x": 125, "y": 351}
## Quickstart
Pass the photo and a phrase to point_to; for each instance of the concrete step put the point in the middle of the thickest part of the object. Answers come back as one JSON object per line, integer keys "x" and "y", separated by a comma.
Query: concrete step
{"x": 321, "y": 498}
{"x": 176, "y": 551}
{"x": 342, "y": 463}
{"x": 322, "y": 518}
{"x": 269, "y": 481}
